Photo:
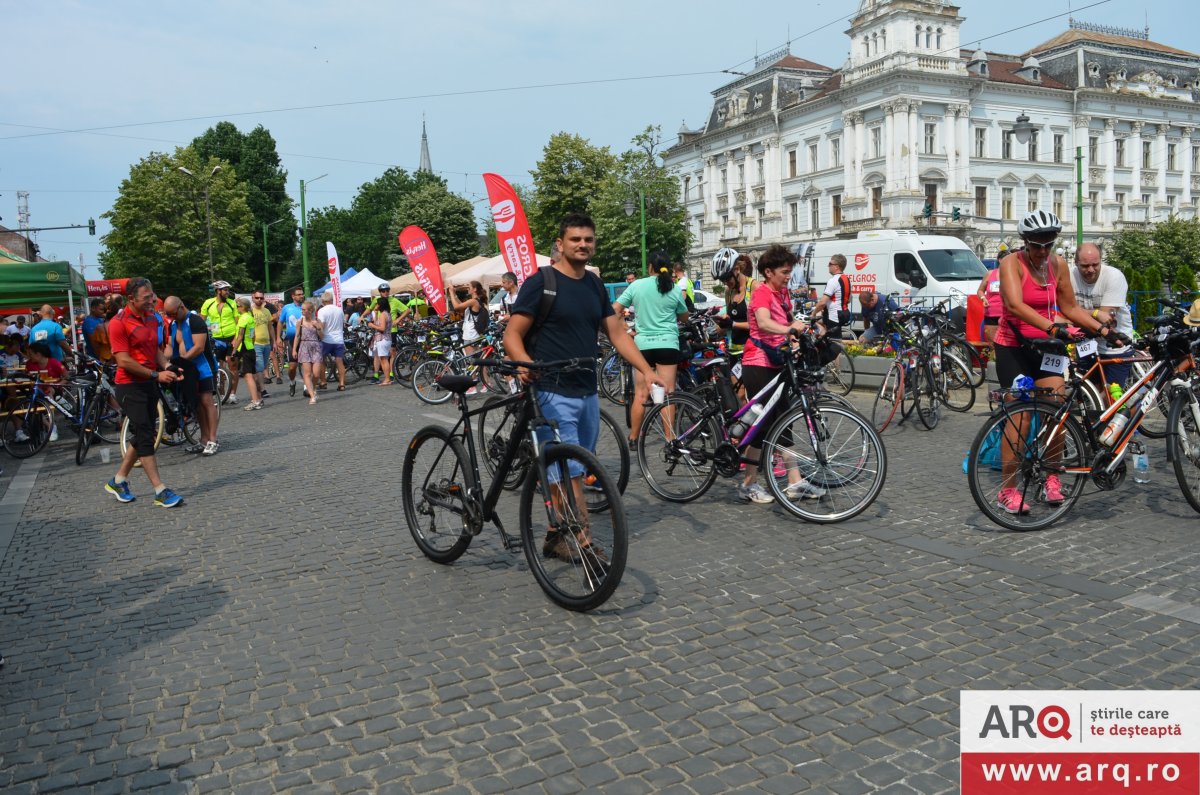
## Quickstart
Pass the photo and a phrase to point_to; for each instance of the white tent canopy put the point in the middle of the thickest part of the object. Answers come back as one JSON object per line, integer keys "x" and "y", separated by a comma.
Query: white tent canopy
{"x": 490, "y": 270}
{"x": 361, "y": 284}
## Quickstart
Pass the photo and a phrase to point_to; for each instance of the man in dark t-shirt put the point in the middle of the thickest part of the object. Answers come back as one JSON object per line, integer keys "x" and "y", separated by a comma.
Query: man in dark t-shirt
{"x": 581, "y": 309}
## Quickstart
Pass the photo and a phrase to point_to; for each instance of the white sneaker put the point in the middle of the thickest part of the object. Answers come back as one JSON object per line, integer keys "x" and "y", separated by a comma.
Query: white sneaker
{"x": 210, "y": 448}
{"x": 803, "y": 490}
{"x": 253, "y": 405}
{"x": 20, "y": 435}
{"x": 54, "y": 433}
{"x": 754, "y": 493}
{"x": 231, "y": 400}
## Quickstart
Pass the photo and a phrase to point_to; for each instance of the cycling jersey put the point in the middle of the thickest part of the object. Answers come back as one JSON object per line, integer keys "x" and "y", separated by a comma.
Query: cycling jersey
{"x": 221, "y": 317}
{"x": 289, "y": 318}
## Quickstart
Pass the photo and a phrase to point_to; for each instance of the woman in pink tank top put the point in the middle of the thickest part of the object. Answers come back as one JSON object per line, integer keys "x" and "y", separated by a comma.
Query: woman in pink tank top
{"x": 1037, "y": 291}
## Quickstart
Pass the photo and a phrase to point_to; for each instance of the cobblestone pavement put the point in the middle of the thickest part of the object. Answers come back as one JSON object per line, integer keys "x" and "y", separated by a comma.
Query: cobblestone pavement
{"x": 281, "y": 632}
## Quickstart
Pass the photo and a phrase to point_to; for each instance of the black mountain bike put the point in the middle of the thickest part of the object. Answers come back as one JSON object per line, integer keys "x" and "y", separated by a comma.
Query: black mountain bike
{"x": 575, "y": 549}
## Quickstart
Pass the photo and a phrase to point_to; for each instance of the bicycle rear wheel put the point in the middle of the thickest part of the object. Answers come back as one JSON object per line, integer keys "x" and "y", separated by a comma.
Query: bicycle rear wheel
{"x": 612, "y": 378}
{"x": 927, "y": 398}
{"x": 839, "y": 375}
{"x": 424, "y": 381}
{"x": 1038, "y": 448}
{"x": 497, "y": 423}
{"x": 581, "y": 558}
{"x": 612, "y": 451}
{"x": 888, "y": 398}
{"x": 88, "y": 429}
{"x": 1183, "y": 444}
{"x": 435, "y": 483}
{"x": 969, "y": 355}
{"x": 26, "y": 427}
{"x": 954, "y": 381}
{"x": 159, "y": 424}
{"x": 358, "y": 363}
{"x": 840, "y": 458}
{"x": 675, "y": 448}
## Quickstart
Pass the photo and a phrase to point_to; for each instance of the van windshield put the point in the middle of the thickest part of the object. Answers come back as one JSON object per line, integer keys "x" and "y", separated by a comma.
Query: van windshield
{"x": 953, "y": 264}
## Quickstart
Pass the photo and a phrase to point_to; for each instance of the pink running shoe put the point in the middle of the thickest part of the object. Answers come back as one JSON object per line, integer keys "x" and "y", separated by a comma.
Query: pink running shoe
{"x": 1010, "y": 500}
{"x": 1052, "y": 491}
{"x": 777, "y": 468}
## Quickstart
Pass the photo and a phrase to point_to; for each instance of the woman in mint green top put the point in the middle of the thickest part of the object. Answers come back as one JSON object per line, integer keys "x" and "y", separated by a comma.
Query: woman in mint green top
{"x": 658, "y": 308}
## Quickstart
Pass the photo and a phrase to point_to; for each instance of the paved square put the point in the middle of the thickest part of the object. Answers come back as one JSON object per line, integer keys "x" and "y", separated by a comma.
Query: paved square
{"x": 281, "y": 632}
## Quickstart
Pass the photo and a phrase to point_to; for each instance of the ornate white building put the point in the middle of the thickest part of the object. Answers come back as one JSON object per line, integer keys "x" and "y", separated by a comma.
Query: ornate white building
{"x": 796, "y": 151}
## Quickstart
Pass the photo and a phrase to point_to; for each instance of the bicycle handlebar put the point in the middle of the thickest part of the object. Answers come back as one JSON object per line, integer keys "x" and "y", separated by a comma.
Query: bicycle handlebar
{"x": 578, "y": 363}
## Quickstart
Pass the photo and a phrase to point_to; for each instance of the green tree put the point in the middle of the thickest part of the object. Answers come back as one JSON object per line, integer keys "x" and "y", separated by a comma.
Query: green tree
{"x": 618, "y": 233}
{"x": 446, "y": 217}
{"x": 159, "y": 229}
{"x": 257, "y": 163}
{"x": 566, "y": 180}
{"x": 1164, "y": 254}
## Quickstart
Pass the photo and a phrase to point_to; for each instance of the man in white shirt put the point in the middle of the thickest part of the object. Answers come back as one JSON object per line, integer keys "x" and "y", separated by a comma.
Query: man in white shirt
{"x": 20, "y": 329}
{"x": 1103, "y": 290}
{"x": 333, "y": 341}
{"x": 509, "y": 282}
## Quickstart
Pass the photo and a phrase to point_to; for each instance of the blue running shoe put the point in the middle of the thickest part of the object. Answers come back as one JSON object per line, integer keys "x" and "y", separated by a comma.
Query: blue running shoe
{"x": 120, "y": 491}
{"x": 168, "y": 499}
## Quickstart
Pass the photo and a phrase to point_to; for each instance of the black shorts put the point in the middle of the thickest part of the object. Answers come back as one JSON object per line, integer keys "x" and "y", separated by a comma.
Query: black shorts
{"x": 1013, "y": 361}
{"x": 657, "y": 356}
{"x": 991, "y": 321}
{"x": 247, "y": 361}
{"x": 228, "y": 342}
{"x": 138, "y": 402}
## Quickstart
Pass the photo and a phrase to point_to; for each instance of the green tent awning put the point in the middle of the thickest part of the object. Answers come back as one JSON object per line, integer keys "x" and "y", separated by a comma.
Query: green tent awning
{"x": 30, "y": 284}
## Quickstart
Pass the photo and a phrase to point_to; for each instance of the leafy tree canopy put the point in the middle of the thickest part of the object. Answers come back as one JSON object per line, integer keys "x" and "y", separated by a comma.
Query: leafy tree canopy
{"x": 566, "y": 180}
{"x": 447, "y": 218}
{"x": 1163, "y": 255}
{"x": 159, "y": 226}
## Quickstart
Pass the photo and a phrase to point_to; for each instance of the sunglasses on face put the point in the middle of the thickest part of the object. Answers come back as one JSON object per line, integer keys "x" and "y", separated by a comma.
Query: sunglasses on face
{"x": 1041, "y": 246}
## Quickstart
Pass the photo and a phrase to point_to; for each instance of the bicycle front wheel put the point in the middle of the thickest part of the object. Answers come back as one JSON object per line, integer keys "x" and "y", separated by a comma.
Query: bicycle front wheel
{"x": 88, "y": 430}
{"x": 612, "y": 378}
{"x": 676, "y": 445}
{"x": 1183, "y": 444}
{"x": 497, "y": 423}
{"x": 424, "y": 381}
{"x": 958, "y": 391}
{"x": 435, "y": 486}
{"x": 833, "y": 463}
{"x": 1016, "y": 467}
{"x": 612, "y": 451}
{"x": 888, "y": 398}
{"x": 127, "y": 431}
{"x": 927, "y": 398}
{"x": 577, "y": 556}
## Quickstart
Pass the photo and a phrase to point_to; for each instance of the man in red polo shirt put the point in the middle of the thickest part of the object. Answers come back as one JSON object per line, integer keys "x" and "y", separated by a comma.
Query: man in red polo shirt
{"x": 141, "y": 367}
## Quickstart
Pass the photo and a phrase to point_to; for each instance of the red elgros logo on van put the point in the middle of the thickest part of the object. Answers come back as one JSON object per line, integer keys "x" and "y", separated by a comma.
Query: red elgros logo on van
{"x": 861, "y": 261}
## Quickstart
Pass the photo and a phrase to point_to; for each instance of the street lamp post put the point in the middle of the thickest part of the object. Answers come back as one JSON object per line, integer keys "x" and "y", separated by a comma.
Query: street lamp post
{"x": 629, "y": 213}
{"x": 304, "y": 235}
{"x": 207, "y": 218}
{"x": 266, "y": 262}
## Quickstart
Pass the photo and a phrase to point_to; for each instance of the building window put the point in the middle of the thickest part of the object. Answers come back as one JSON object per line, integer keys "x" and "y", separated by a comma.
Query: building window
{"x": 835, "y": 152}
{"x": 1145, "y": 198}
{"x": 1032, "y": 199}
{"x": 761, "y": 171}
{"x": 877, "y": 143}
{"x": 724, "y": 180}
{"x": 981, "y": 142}
{"x": 761, "y": 213}
{"x": 917, "y": 43}
{"x": 938, "y": 40}
{"x": 981, "y": 208}
{"x": 1058, "y": 203}
{"x": 1058, "y": 149}
{"x": 1171, "y": 203}
{"x": 814, "y": 214}
{"x": 1094, "y": 199}
{"x": 877, "y": 202}
{"x": 1195, "y": 157}
{"x": 1033, "y": 146}
{"x": 1171, "y": 157}
{"x": 1094, "y": 150}
{"x": 836, "y": 210}
{"x": 794, "y": 216}
{"x": 1119, "y": 158}
{"x": 931, "y": 200}
{"x": 687, "y": 188}
{"x": 930, "y": 137}
{"x": 1120, "y": 197}
{"x": 928, "y": 38}
{"x": 866, "y": 47}
{"x": 1006, "y": 142}
{"x": 791, "y": 162}
{"x": 1006, "y": 204}
{"x": 741, "y": 183}
{"x": 1147, "y": 155}
{"x": 812, "y": 157}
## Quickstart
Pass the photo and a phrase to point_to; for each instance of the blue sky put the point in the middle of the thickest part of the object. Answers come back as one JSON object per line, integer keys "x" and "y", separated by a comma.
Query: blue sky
{"x": 77, "y": 65}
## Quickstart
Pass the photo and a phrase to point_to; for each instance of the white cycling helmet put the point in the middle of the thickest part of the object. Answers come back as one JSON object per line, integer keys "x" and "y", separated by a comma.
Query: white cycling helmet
{"x": 1039, "y": 222}
{"x": 722, "y": 264}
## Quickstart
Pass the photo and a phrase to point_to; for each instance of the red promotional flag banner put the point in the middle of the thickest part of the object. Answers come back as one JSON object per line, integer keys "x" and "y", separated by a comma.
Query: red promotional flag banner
{"x": 417, "y": 246}
{"x": 512, "y": 229}
{"x": 335, "y": 273}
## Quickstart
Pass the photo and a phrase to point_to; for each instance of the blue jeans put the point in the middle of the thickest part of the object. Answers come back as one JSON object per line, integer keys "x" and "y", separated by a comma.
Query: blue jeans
{"x": 578, "y": 420}
{"x": 262, "y": 357}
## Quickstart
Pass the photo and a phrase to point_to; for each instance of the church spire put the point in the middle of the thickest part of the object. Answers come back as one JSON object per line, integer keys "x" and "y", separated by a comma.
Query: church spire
{"x": 426, "y": 165}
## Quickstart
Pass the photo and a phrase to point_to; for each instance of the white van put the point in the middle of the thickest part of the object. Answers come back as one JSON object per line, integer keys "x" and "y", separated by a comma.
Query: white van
{"x": 900, "y": 261}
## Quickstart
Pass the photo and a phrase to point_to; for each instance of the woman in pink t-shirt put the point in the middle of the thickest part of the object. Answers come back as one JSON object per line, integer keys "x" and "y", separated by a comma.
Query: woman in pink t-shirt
{"x": 770, "y": 320}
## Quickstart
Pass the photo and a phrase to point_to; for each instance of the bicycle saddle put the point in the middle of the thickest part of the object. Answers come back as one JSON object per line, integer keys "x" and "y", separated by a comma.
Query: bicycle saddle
{"x": 458, "y": 384}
